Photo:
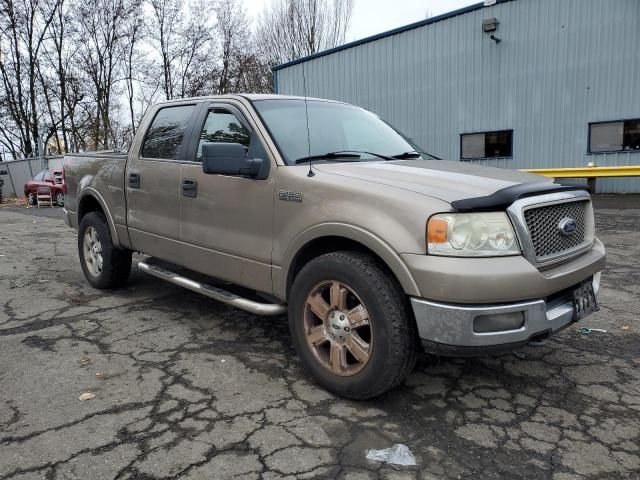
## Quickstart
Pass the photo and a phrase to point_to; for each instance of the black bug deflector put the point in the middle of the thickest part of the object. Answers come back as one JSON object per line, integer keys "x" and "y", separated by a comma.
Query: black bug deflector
{"x": 506, "y": 196}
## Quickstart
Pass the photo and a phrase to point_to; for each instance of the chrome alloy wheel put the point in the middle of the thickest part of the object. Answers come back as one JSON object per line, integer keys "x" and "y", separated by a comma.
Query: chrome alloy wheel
{"x": 338, "y": 328}
{"x": 92, "y": 249}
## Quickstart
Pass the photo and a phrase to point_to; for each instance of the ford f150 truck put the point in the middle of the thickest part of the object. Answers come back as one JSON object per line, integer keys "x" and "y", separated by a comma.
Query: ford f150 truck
{"x": 321, "y": 210}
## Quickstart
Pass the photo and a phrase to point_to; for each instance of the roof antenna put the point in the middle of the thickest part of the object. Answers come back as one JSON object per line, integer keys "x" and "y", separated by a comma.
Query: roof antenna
{"x": 306, "y": 112}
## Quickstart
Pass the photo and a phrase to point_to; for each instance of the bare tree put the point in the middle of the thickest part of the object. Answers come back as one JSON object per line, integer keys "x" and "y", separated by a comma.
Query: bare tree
{"x": 101, "y": 35}
{"x": 290, "y": 29}
{"x": 133, "y": 34}
{"x": 62, "y": 81}
{"x": 183, "y": 37}
{"x": 196, "y": 52}
{"x": 59, "y": 58}
{"x": 235, "y": 40}
{"x": 79, "y": 74}
{"x": 166, "y": 14}
{"x": 253, "y": 74}
{"x": 23, "y": 28}
{"x": 77, "y": 108}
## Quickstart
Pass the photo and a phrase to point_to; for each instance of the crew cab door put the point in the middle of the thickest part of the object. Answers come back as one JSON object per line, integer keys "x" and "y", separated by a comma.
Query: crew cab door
{"x": 226, "y": 221}
{"x": 152, "y": 180}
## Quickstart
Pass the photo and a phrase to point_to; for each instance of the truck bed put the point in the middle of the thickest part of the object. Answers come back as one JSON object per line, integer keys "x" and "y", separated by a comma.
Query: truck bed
{"x": 101, "y": 172}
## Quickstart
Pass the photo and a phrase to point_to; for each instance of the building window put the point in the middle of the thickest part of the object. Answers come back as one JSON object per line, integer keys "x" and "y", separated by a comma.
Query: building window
{"x": 486, "y": 145}
{"x": 622, "y": 136}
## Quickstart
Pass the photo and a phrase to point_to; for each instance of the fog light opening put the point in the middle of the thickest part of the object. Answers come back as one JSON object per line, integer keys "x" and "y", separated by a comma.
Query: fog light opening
{"x": 498, "y": 322}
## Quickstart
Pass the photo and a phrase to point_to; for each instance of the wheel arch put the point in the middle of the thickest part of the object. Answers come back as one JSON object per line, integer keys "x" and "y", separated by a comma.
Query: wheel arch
{"x": 91, "y": 201}
{"x": 336, "y": 237}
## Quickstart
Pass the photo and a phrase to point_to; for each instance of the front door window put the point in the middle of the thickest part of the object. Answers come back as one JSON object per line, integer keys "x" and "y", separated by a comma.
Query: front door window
{"x": 222, "y": 126}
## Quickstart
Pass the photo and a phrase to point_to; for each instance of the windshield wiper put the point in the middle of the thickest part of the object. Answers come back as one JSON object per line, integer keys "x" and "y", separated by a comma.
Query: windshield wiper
{"x": 373, "y": 154}
{"x": 327, "y": 156}
{"x": 342, "y": 154}
{"x": 413, "y": 154}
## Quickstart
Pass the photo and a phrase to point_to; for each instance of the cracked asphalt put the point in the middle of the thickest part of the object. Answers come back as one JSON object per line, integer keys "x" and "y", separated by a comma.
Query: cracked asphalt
{"x": 188, "y": 388}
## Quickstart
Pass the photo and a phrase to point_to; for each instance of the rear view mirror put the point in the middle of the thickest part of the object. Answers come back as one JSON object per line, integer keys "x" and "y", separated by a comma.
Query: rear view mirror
{"x": 229, "y": 159}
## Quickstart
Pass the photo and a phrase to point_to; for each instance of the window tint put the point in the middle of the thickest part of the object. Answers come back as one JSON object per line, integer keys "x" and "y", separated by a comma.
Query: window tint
{"x": 614, "y": 136}
{"x": 222, "y": 126}
{"x": 165, "y": 135}
{"x": 39, "y": 177}
{"x": 486, "y": 145}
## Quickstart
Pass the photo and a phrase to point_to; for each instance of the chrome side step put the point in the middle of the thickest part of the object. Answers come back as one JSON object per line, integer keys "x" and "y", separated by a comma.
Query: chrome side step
{"x": 216, "y": 293}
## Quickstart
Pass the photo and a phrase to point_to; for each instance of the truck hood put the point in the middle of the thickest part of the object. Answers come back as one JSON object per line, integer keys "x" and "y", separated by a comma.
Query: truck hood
{"x": 445, "y": 180}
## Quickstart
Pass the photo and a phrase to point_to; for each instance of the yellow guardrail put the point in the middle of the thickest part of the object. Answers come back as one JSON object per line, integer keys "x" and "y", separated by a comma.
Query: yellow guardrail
{"x": 587, "y": 172}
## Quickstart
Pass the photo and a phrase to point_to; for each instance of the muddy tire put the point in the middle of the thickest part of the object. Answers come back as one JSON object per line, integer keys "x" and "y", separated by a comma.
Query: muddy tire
{"x": 104, "y": 265}
{"x": 351, "y": 325}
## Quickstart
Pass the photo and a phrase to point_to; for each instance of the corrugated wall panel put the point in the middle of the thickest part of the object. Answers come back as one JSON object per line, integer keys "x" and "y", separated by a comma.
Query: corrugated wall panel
{"x": 561, "y": 64}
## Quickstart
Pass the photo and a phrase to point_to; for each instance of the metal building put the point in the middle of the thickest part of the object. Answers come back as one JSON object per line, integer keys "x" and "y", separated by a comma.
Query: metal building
{"x": 536, "y": 83}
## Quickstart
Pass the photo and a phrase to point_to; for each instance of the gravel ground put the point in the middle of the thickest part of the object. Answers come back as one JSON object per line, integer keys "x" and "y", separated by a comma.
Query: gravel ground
{"x": 188, "y": 388}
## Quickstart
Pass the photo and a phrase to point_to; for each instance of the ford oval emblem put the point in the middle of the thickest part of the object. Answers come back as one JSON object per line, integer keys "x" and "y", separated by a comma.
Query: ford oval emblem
{"x": 567, "y": 226}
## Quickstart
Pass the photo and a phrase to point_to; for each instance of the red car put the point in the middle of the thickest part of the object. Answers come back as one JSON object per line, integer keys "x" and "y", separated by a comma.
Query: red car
{"x": 47, "y": 178}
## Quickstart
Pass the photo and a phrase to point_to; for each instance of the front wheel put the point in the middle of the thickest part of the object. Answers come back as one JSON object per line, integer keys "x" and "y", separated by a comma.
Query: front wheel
{"x": 104, "y": 265}
{"x": 31, "y": 198}
{"x": 60, "y": 198}
{"x": 351, "y": 325}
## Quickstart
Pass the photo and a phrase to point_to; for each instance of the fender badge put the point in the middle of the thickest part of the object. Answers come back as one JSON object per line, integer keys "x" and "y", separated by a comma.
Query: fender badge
{"x": 290, "y": 196}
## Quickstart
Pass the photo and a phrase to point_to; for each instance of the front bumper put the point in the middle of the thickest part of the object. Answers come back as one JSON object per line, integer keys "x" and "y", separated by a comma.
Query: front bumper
{"x": 499, "y": 280}
{"x": 448, "y": 329}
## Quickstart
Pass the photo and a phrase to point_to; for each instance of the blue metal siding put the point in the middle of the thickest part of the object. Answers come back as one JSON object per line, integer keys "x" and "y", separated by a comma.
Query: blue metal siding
{"x": 561, "y": 65}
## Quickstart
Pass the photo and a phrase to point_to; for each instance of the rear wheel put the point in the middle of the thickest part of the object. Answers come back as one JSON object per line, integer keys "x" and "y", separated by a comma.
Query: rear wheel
{"x": 104, "y": 265}
{"x": 351, "y": 325}
{"x": 31, "y": 198}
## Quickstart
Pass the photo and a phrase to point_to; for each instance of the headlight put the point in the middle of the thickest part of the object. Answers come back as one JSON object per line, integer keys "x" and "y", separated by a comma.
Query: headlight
{"x": 471, "y": 235}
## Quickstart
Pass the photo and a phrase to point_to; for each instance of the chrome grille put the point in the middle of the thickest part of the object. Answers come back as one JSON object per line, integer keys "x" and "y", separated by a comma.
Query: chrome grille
{"x": 543, "y": 225}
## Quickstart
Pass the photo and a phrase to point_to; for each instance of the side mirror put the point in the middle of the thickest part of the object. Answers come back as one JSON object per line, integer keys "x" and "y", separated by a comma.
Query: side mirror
{"x": 229, "y": 159}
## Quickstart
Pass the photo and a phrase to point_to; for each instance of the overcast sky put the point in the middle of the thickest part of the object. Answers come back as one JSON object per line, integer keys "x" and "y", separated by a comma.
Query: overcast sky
{"x": 375, "y": 16}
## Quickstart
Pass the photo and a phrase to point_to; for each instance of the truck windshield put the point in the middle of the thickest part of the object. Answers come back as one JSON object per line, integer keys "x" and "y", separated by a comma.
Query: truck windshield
{"x": 333, "y": 127}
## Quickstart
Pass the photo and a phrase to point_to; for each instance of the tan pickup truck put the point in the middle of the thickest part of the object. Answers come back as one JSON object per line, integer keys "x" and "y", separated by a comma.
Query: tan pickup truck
{"x": 321, "y": 210}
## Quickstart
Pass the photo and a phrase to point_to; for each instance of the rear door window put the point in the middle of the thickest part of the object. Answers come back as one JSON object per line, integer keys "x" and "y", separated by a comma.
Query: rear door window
{"x": 165, "y": 136}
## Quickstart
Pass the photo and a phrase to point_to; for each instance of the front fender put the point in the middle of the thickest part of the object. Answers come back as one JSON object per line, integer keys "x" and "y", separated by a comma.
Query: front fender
{"x": 356, "y": 234}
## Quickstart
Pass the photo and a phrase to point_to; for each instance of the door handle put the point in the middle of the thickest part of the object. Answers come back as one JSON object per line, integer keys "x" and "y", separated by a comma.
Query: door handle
{"x": 134, "y": 180}
{"x": 190, "y": 188}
